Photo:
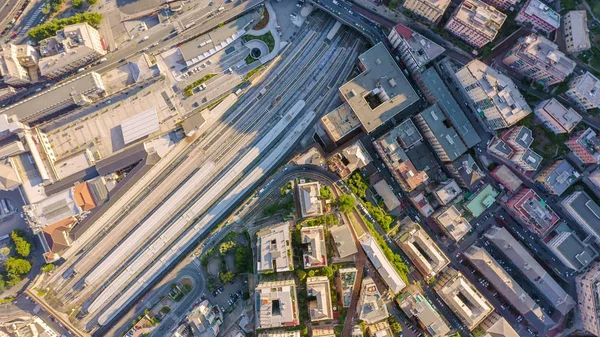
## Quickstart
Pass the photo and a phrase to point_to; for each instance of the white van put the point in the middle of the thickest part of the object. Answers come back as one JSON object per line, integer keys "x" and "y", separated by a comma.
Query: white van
{"x": 220, "y": 9}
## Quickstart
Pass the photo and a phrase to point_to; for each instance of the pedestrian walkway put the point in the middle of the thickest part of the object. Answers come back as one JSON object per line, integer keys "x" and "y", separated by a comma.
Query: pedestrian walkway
{"x": 270, "y": 27}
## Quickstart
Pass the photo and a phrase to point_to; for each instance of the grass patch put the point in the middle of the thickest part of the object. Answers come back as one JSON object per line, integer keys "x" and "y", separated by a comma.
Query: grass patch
{"x": 252, "y": 72}
{"x": 249, "y": 59}
{"x": 595, "y": 6}
{"x": 215, "y": 103}
{"x": 267, "y": 38}
{"x": 188, "y": 89}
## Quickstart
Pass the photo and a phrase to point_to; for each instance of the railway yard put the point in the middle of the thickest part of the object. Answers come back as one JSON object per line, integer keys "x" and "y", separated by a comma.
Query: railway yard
{"x": 134, "y": 241}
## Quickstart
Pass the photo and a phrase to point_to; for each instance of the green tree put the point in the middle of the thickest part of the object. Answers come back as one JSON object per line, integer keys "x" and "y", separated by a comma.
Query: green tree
{"x": 226, "y": 277}
{"x": 311, "y": 273}
{"x": 77, "y": 3}
{"x": 358, "y": 184}
{"x": 22, "y": 246}
{"x": 301, "y": 274}
{"x": 13, "y": 280}
{"x": 2, "y": 284}
{"x": 17, "y": 266}
{"x": 48, "y": 29}
{"x": 325, "y": 192}
{"x": 327, "y": 271}
{"x": 346, "y": 203}
{"x": 226, "y": 246}
{"x": 48, "y": 267}
{"x": 92, "y": 2}
{"x": 240, "y": 261}
{"x": 478, "y": 331}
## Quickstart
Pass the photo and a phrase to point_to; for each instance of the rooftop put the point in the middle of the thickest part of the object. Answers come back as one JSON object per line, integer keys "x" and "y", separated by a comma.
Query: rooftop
{"x": 506, "y": 177}
{"x": 468, "y": 171}
{"x": 344, "y": 242}
{"x": 588, "y": 87}
{"x": 53, "y": 209}
{"x": 566, "y": 118}
{"x": 140, "y": 126}
{"x": 381, "y": 91}
{"x": 481, "y": 17}
{"x": 314, "y": 250}
{"x": 340, "y": 122}
{"x": 422, "y": 204}
{"x": 421, "y": 49}
{"x": 482, "y": 200}
{"x": 208, "y": 44}
{"x": 414, "y": 303}
{"x": 448, "y": 191}
{"x": 501, "y": 329}
{"x": 274, "y": 248}
{"x": 527, "y": 264}
{"x": 319, "y": 298}
{"x": 443, "y": 130}
{"x": 406, "y": 134}
{"x": 453, "y": 222}
{"x": 464, "y": 300}
{"x": 450, "y": 107}
{"x": 276, "y": 304}
{"x": 387, "y": 194}
{"x": 585, "y": 209}
{"x": 371, "y": 306}
{"x": 310, "y": 205}
{"x": 389, "y": 275}
{"x": 70, "y": 92}
{"x": 579, "y": 29}
{"x": 545, "y": 53}
{"x": 571, "y": 250}
{"x": 509, "y": 288}
{"x": 559, "y": 176}
{"x": 533, "y": 211}
{"x": 421, "y": 249}
{"x": 543, "y": 12}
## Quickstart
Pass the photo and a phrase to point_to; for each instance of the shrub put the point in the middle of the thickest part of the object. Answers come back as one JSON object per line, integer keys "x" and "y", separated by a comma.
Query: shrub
{"x": 49, "y": 29}
{"x": 22, "y": 246}
{"x": 48, "y": 268}
{"x": 17, "y": 266}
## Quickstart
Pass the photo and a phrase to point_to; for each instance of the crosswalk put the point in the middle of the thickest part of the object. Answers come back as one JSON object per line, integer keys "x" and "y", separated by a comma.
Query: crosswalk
{"x": 31, "y": 21}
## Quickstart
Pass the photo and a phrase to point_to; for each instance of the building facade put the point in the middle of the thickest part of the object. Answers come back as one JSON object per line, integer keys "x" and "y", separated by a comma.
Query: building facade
{"x": 12, "y": 71}
{"x": 539, "y": 59}
{"x": 442, "y": 136}
{"x": 556, "y": 116}
{"x": 496, "y": 98}
{"x": 415, "y": 50}
{"x": 431, "y": 10}
{"x": 540, "y": 16}
{"x": 585, "y": 146}
{"x": 584, "y": 211}
{"x": 588, "y": 288}
{"x": 575, "y": 31}
{"x": 584, "y": 91}
{"x": 476, "y": 23}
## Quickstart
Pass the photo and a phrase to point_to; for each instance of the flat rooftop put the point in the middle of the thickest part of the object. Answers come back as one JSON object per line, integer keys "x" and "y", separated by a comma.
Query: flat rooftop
{"x": 453, "y": 222}
{"x": 315, "y": 252}
{"x": 276, "y": 304}
{"x": 319, "y": 298}
{"x": 560, "y": 176}
{"x": 414, "y": 303}
{"x": 57, "y": 95}
{"x": 371, "y": 306}
{"x": 344, "y": 242}
{"x": 543, "y": 12}
{"x": 586, "y": 210}
{"x": 385, "y": 268}
{"x": 422, "y": 250}
{"x": 506, "y": 177}
{"x": 527, "y": 264}
{"x": 450, "y": 107}
{"x": 567, "y": 118}
{"x": 479, "y": 16}
{"x": 578, "y": 254}
{"x": 444, "y": 132}
{"x": 482, "y": 200}
{"x": 210, "y": 43}
{"x": 274, "y": 248}
{"x": 340, "y": 122}
{"x": 381, "y": 91}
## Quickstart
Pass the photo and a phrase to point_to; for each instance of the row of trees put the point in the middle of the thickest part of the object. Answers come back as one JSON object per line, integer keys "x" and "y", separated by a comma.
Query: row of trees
{"x": 79, "y": 3}
{"x": 16, "y": 266}
{"x": 49, "y": 29}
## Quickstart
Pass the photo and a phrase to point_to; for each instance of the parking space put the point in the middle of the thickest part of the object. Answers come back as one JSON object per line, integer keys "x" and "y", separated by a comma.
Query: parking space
{"x": 12, "y": 220}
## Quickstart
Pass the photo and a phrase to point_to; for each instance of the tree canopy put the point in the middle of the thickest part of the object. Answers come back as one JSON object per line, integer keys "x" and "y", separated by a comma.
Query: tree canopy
{"x": 226, "y": 246}
{"x": 17, "y": 266}
{"x": 48, "y": 268}
{"x": 346, "y": 203}
{"x": 22, "y": 246}
{"x": 226, "y": 277}
{"x": 49, "y": 29}
{"x": 358, "y": 184}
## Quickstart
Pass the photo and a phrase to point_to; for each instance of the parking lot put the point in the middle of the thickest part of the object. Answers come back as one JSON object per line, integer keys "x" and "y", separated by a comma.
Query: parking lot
{"x": 15, "y": 221}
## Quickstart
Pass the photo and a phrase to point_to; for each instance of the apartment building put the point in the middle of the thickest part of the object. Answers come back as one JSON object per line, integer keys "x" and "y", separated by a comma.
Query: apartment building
{"x": 276, "y": 304}
{"x": 452, "y": 222}
{"x": 514, "y": 146}
{"x": 384, "y": 267}
{"x": 556, "y": 116}
{"x": 73, "y": 47}
{"x": 447, "y": 191}
{"x": 421, "y": 249}
{"x": 319, "y": 298}
{"x": 540, "y": 16}
{"x": 504, "y": 5}
{"x": 308, "y": 195}
{"x": 481, "y": 201}
{"x": 531, "y": 210}
{"x": 531, "y": 269}
{"x": 558, "y": 177}
{"x": 584, "y": 91}
{"x": 314, "y": 251}
{"x": 466, "y": 172}
{"x": 464, "y": 300}
{"x": 539, "y": 59}
{"x": 585, "y": 145}
{"x": 431, "y": 10}
{"x": 507, "y": 178}
{"x": 7, "y": 92}
{"x": 415, "y": 50}
{"x": 392, "y": 148}
{"x": 495, "y": 96}
{"x": 571, "y": 251}
{"x": 440, "y": 133}
{"x": 274, "y": 249}
{"x": 371, "y": 306}
{"x": 416, "y": 305}
{"x": 509, "y": 289}
{"x": 476, "y": 22}
{"x": 584, "y": 211}
{"x": 575, "y": 31}
{"x": 588, "y": 288}
{"x": 12, "y": 71}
